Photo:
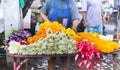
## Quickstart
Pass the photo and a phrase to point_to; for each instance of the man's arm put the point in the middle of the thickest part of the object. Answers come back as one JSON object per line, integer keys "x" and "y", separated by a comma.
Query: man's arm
{"x": 75, "y": 15}
{"x": 44, "y": 17}
{"x": 45, "y": 10}
{"x": 103, "y": 17}
{"x": 75, "y": 24}
{"x": 102, "y": 13}
{"x": 84, "y": 12}
{"x": 84, "y": 18}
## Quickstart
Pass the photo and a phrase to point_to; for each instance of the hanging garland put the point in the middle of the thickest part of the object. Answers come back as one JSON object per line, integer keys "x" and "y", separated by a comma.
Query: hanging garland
{"x": 100, "y": 43}
{"x": 87, "y": 55}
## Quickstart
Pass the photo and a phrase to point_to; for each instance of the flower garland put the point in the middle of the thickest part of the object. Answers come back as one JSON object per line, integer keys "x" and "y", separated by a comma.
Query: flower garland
{"x": 18, "y": 36}
{"x": 100, "y": 44}
{"x": 49, "y": 27}
{"x": 87, "y": 55}
{"x": 51, "y": 38}
{"x": 70, "y": 32}
{"x": 58, "y": 43}
{"x": 54, "y": 26}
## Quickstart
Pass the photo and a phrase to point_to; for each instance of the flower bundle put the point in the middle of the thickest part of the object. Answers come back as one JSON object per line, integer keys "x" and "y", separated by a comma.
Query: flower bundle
{"x": 58, "y": 43}
{"x": 86, "y": 35}
{"x": 45, "y": 28}
{"x": 87, "y": 55}
{"x": 49, "y": 27}
{"x": 18, "y": 36}
{"x": 16, "y": 48}
{"x": 106, "y": 46}
{"x": 70, "y": 32}
{"x": 95, "y": 38}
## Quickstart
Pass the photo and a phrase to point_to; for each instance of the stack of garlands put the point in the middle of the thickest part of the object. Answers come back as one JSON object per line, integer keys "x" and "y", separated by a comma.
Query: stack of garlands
{"x": 49, "y": 27}
{"x": 44, "y": 28}
{"x": 20, "y": 39}
{"x": 51, "y": 38}
{"x": 58, "y": 43}
{"x": 101, "y": 44}
{"x": 89, "y": 46}
{"x": 18, "y": 36}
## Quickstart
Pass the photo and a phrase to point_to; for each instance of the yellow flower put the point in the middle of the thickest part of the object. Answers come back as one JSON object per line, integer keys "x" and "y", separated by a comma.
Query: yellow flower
{"x": 70, "y": 32}
{"x": 53, "y": 27}
{"x": 104, "y": 46}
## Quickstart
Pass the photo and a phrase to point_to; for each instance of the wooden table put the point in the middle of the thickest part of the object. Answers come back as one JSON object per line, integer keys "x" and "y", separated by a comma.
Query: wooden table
{"x": 25, "y": 58}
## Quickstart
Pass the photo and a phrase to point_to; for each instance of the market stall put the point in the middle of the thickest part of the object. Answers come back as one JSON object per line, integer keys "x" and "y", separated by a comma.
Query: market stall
{"x": 64, "y": 42}
{"x": 25, "y": 58}
{"x": 52, "y": 39}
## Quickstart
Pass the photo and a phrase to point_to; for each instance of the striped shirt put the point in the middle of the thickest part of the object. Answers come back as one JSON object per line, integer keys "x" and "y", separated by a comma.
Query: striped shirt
{"x": 93, "y": 10}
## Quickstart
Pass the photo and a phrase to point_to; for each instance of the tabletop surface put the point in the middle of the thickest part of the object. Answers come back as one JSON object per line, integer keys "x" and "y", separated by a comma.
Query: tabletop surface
{"x": 33, "y": 56}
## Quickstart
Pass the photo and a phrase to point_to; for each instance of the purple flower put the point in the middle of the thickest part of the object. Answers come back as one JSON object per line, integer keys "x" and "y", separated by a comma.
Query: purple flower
{"x": 17, "y": 36}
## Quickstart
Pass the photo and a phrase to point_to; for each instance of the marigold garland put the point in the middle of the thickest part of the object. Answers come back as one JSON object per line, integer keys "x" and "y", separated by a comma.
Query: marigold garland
{"x": 54, "y": 26}
{"x": 104, "y": 46}
{"x": 70, "y": 32}
{"x": 44, "y": 29}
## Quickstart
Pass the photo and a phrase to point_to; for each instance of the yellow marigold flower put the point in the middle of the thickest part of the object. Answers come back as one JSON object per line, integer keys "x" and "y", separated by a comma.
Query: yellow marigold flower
{"x": 70, "y": 32}
{"x": 104, "y": 46}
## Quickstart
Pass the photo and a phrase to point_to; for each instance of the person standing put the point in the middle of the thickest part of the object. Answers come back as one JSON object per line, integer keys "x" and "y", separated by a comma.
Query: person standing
{"x": 93, "y": 16}
{"x": 116, "y": 13}
{"x": 117, "y": 4}
{"x": 65, "y": 12}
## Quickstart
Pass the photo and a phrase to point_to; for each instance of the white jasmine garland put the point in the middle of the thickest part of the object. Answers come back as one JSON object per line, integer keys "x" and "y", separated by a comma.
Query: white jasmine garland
{"x": 58, "y": 43}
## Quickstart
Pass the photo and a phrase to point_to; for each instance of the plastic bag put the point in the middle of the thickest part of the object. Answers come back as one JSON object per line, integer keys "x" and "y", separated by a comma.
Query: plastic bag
{"x": 80, "y": 27}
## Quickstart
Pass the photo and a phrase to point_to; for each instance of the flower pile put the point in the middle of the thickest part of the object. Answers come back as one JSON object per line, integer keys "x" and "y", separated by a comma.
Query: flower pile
{"x": 70, "y": 32}
{"x": 46, "y": 28}
{"x": 90, "y": 45}
{"x": 58, "y": 43}
{"x": 51, "y": 38}
{"x": 100, "y": 44}
{"x": 18, "y": 36}
{"x": 49, "y": 27}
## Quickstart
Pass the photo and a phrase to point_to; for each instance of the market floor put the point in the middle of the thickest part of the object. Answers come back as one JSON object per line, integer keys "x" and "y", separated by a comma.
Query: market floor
{"x": 31, "y": 65}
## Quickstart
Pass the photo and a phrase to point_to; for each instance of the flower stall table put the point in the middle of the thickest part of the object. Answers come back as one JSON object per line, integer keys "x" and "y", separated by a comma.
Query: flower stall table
{"x": 25, "y": 58}
{"x": 114, "y": 60}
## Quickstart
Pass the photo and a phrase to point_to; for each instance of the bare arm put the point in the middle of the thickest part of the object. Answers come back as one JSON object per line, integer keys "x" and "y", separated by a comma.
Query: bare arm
{"x": 103, "y": 17}
{"x": 75, "y": 24}
{"x": 84, "y": 18}
{"x": 44, "y": 17}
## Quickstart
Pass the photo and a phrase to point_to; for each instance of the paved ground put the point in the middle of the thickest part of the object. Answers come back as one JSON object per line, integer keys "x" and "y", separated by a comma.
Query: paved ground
{"x": 31, "y": 65}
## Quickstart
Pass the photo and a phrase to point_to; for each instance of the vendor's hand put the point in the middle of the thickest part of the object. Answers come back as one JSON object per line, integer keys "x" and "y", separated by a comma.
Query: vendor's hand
{"x": 85, "y": 24}
{"x": 74, "y": 27}
{"x": 104, "y": 20}
{"x": 75, "y": 24}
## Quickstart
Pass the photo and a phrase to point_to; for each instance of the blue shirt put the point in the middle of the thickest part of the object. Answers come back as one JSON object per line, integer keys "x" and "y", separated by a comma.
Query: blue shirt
{"x": 93, "y": 10}
{"x": 46, "y": 9}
